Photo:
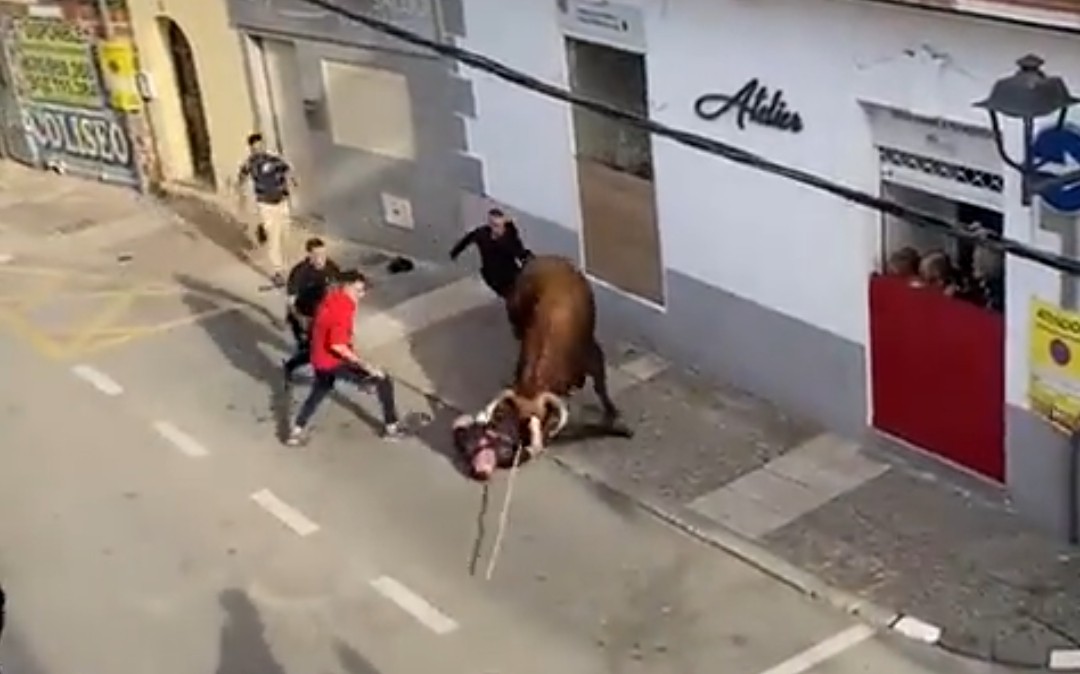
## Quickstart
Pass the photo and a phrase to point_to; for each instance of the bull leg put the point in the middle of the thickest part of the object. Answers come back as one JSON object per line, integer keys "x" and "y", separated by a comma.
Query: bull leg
{"x": 598, "y": 371}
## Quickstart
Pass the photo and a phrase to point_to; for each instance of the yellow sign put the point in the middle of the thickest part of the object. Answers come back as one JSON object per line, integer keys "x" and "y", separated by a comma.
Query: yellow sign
{"x": 54, "y": 64}
{"x": 118, "y": 65}
{"x": 1054, "y": 382}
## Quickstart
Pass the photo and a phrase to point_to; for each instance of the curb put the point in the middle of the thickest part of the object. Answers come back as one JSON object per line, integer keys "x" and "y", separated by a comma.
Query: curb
{"x": 877, "y": 616}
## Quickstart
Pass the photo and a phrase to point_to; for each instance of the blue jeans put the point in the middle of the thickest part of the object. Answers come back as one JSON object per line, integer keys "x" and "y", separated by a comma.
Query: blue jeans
{"x": 324, "y": 384}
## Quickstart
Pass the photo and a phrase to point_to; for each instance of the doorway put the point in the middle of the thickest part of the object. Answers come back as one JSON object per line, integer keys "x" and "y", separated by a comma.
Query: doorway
{"x": 937, "y": 354}
{"x": 620, "y": 232}
{"x": 191, "y": 103}
{"x": 282, "y": 115}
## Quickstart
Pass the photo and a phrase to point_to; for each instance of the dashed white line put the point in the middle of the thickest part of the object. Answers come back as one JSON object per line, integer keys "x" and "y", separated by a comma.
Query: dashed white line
{"x": 98, "y": 380}
{"x": 824, "y": 650}
{"x": 289, "y": 516}
{"x": 415, "y": 605}
{"x": 187, "y": 445}
{"x": 1061, "y": 659}
{"x": 913, "y": 628}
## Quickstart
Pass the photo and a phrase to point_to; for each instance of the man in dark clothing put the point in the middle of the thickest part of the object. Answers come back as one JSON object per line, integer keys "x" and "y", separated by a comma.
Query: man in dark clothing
{"x": 333, "y": 357}
{"x": 502, "y": 254}
{"x": 271, "y": 178}
{"x": 305, "y": 288}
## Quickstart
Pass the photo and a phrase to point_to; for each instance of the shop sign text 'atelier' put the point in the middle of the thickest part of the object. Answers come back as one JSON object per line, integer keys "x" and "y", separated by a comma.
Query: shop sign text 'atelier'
{"x": 753, "y": 102}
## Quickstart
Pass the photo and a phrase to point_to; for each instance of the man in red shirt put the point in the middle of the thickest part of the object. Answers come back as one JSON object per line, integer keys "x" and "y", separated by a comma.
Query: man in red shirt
{"x": 333, "y": 358}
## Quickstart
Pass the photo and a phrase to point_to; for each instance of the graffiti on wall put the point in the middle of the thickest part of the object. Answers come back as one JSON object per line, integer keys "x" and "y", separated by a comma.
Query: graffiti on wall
{"x": 55, "y": 64}
{"x": 93, "y": 136}
{"x": 65, "y": 108}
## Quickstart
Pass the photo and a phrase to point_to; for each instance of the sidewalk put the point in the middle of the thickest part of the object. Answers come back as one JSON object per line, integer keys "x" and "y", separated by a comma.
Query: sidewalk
{"x": 861, "y": 526}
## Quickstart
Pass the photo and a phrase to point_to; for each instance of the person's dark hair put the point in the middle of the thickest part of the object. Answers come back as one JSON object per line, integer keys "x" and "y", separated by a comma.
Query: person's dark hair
{"x": 496, "y": 213}
{"x": 346, "y": 276}
{"x": 254, "y": 138}
{"x": 313, "y": 243}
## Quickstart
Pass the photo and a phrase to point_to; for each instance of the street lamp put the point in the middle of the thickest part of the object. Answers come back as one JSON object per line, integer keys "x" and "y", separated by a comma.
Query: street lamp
{"x": 1027, "y": 95}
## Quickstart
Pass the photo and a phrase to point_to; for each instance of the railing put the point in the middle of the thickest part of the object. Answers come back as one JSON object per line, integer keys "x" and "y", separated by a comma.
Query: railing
{"x": 937, "y": 366}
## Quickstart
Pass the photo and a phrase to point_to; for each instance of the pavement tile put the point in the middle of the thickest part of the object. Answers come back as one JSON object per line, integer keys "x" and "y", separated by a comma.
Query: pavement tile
{"x": 948, "y": 557}
{"x": 690, "y": 438}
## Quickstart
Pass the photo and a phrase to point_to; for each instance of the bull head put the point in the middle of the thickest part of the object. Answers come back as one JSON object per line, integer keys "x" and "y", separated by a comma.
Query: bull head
{"x": 530, "y": 412}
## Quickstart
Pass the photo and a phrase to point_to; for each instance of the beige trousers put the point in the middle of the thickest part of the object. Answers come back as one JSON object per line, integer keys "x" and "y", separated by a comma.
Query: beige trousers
{"x": 276, "y": 219}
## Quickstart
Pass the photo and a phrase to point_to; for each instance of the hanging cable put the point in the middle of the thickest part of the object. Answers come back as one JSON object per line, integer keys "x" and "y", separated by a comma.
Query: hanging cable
{"x": 708, "y": 145}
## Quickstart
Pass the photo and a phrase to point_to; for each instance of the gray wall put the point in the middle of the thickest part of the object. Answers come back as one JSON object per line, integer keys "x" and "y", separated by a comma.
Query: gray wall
{"x": 433, "y": 182}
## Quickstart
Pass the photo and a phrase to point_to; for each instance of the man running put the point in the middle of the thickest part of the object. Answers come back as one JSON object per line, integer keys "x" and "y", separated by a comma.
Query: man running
{"x": 305, "y": 288}
{"x": 271, "y": 179}
{"x": 333, "y": 357}
{"x": 502, "y": 254}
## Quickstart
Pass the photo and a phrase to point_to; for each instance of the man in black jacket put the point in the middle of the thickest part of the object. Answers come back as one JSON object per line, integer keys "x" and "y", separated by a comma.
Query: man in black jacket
{"x": 502, "y": 254}
{"x": 305, "y": 288}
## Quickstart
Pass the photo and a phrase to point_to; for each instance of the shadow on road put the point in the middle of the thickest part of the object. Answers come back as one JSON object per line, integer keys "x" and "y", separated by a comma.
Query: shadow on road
{"x": 242, "y": 340}
{"x": 351, "y": 661}
{"x": 243, "y": 646}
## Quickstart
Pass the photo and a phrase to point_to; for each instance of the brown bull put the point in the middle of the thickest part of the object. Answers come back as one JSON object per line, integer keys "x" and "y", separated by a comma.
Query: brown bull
{"x": 553, "y": 315}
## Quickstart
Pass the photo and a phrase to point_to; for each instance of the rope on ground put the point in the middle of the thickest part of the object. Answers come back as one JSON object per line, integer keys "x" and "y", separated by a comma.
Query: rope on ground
{"x": 504, "y": 515}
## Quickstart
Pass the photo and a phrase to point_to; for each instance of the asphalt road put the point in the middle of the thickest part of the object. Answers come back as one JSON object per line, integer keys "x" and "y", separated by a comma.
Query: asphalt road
{"x": 151, "y": 522}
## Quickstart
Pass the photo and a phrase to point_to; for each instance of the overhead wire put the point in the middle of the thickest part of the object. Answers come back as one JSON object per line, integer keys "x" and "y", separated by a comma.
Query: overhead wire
{"x": 708, "y": 145}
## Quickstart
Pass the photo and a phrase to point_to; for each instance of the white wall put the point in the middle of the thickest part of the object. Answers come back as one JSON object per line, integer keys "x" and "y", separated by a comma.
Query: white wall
{"x": 765, "y": 238}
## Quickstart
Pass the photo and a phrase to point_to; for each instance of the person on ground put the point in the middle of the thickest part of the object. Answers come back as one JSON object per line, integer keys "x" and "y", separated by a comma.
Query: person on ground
{"x": 305, "y": 288}
{"x": 271, "y": 180}
{"x": 502, "y": 254}
{"x": 333, "y": 357}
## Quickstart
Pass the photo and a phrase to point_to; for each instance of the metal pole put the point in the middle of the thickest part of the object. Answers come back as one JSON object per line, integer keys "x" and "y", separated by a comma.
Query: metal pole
{"x": 1074, "y": 489}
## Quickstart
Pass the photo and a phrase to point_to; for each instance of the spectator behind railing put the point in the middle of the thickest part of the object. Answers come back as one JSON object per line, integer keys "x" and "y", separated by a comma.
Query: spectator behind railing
{"x": 904, "y": 263}
{"x": 936, "y": 271}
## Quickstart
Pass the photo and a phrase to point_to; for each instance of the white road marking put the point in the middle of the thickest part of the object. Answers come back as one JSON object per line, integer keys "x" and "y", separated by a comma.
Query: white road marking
{"x": 187, "y": 445}
{"x": 790, "y": 486}
{"x": 289, "y": 516}
{"x": 823, "y": 650}
{"x": 422, "y": 311}
{"x": 415, "y": 605}
{"x": 1064, "y": 659}
{"x": 913, "y": 628}
{"x": 98, "y": 380}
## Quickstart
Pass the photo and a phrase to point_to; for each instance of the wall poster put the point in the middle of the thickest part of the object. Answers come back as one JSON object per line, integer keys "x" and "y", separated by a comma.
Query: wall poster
{"x": 1054, "y": 361}
{"x": 65, "y": 108}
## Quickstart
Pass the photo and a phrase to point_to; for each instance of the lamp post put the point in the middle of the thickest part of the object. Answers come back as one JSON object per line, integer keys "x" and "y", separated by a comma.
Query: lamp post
{"x": 1029, "y": 95}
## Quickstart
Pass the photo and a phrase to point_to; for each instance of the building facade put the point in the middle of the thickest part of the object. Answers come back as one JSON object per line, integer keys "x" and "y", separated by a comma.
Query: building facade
{"x": 67, "y": 96}
{"x": 194, "y": 76}
{"x": 373, "y": 127}
{"x": 757, "y": 278}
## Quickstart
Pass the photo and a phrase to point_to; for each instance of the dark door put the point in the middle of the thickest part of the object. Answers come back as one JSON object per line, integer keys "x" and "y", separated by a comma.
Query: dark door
{"x": 187, "y": 83}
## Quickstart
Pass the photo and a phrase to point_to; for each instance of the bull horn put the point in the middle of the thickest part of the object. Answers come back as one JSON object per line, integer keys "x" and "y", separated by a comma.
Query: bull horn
{"x": 489, "y": 411}
{"x": 548, "y": 398}
{"x": 536, "y": 437}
